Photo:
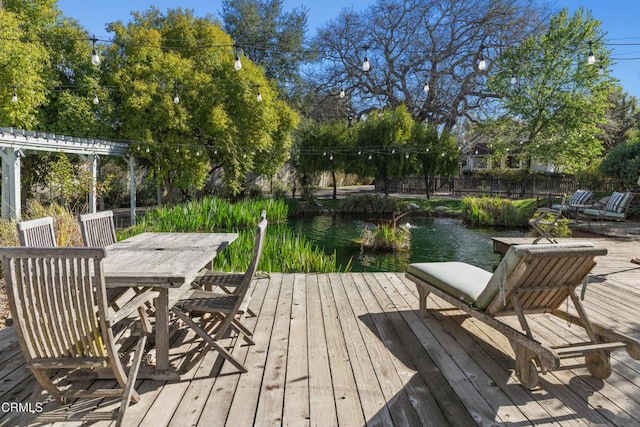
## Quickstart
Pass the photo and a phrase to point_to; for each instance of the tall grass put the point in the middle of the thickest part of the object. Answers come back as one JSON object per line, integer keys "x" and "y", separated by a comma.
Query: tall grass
{"x": 493, "y": 211}
{"x": 283, "y": 250}
{"x": 65, "y": 223}
{"x": 209, "y": 214}
{"x": 371, "y": 203}
{"x": 385, "y": 238}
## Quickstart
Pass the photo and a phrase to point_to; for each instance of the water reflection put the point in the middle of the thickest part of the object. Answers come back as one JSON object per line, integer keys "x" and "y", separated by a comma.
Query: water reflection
{"x": 432, "y": 239}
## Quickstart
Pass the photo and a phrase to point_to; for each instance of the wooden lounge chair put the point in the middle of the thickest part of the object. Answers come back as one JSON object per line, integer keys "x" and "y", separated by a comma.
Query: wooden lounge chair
{"x": 530, "y": 279}
{"x": 37, "y": 233}
{"x": 545, "y": 220}
{"x": 224, "y": 307}
{"x": 58, "y": 299}
{"x": 98, "y": 229}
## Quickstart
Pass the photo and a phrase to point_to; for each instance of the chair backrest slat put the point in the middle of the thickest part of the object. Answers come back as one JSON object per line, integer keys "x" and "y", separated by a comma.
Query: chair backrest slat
{"x": 37, "y": 233}
{"x": 98, "y": 229}
{"x": 56, "y": 297}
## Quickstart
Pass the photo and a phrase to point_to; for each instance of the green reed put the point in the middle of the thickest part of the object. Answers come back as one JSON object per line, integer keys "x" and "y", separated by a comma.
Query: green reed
{"x": 283, "y": 251}
{"x": 493, "y": 211}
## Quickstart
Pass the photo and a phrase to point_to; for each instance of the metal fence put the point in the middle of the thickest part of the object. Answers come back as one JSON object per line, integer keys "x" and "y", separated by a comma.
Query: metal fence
{"x": 536, "y": 186}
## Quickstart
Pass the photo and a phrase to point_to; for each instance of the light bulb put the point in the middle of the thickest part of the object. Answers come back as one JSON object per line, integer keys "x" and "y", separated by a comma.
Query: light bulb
{"x": 14, "y": 98}
{"x": 592, "y": 58}
{"x": 406, "y": 156}
{"x": 95, "y": 58}
{"x": 176, "y": 99}
{"x": 426, "y": 88}
{"x": 342, "y": 93}
{"x": 369, "y": 156}
{"x": 259, "y": 97}
{"x": 513, "y": 80}
{"x": 198, "y": 153}
{"x": 95, "y": 99}
{"x": 366, "y": 66}
{"x": 147, "y": 150}
{"x": 482, "y": 65}
{"x": 331, "y": 157}
{"x": 237, "y": 65}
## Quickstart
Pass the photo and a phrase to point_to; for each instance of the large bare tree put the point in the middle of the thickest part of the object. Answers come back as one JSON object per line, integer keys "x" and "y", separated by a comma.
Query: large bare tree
{"x": 422, "y": 53}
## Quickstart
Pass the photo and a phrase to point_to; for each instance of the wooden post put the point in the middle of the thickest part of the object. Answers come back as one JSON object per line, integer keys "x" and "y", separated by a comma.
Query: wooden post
{"x": 132, "y": 188}
{"x": 11, "y": 197}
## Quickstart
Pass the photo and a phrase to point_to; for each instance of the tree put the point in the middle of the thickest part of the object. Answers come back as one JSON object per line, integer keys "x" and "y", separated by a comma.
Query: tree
{"x": 412, "y": 42}
{"x": 622, "y": 118}
{"x": 322, "y": 147}
{"x": 384, "y": 138}
{"x": 175, "y": 90}
{"x": 436, "y": 154}
{"x": 268, "y": 36}
{"x": 553, "y": 100}
{"x": 623, "y": 163}
{"x": 23, "y": 65}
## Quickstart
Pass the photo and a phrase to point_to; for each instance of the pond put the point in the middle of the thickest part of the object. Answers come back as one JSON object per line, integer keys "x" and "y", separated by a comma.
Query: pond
{"x": 432, "y": 239}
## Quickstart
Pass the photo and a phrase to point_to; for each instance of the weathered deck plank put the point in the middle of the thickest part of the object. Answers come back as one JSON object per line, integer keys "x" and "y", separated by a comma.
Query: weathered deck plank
{"x": 351, "y": 349}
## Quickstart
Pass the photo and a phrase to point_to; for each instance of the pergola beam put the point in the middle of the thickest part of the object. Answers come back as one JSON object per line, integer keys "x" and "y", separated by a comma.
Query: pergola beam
{"x": 14, "y": 141}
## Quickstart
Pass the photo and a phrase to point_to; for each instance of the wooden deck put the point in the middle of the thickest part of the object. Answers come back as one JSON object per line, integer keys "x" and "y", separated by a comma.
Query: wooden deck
{"x": 351, "y": 350}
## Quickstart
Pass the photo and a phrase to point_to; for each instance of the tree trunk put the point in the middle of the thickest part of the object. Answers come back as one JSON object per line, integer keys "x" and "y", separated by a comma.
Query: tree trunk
{"x": 335, "y": 185}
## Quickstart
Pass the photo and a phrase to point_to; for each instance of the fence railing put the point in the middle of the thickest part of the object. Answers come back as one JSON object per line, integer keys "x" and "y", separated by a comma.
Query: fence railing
{"x": 536, "y": 186}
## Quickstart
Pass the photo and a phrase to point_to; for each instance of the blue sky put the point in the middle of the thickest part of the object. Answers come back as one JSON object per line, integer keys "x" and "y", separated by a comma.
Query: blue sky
{"x": 619, "y": 20}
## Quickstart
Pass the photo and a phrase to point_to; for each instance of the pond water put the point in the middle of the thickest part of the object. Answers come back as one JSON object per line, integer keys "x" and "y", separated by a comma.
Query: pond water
{"x": 432, "y": 239}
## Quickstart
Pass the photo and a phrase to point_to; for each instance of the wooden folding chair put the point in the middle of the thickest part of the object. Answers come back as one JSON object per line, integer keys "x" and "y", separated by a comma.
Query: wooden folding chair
{"x": 224, "y": 307}
{"x": 58, "y": 299}
{"x": 545, "y": 220}
{"x": 530, "y": 279}
{"x": 98, "y": 229}
{"x": 225, "y": 281}
{"x": 37, "y": 233}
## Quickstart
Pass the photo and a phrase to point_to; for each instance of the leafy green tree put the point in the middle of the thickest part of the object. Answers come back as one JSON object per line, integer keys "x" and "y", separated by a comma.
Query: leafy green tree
{"x": 176, "y": 91}
{"x": 322, "y": 147}
{"x": 623, "y": 163}
{"x": 553, "y": 101}
{"x": 23, "y": 65}
{"x": 622, "y": 118}
{"x": 268, "y": 36}
{"x": 435, "y": 154}
{"x": 384, "y": 138}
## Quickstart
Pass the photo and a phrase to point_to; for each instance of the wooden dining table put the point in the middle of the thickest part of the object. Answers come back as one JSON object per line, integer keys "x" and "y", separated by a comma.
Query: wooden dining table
{"x": 167, "y": 263}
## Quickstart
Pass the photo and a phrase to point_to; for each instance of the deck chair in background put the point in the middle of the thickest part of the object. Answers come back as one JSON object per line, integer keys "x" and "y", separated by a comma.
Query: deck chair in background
{"x": 225, "y": 281}
{"x": 227, "y": 309}
{"x": 545, "y": 220}
{"x": 37, "y": 233}
{"x": 98, "y": 229}
{"x": 530, "y": 279}
{"x": 58, "y": 299}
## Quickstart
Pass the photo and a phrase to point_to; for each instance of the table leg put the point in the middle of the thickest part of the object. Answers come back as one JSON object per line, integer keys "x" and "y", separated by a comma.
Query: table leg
{"x": 162, "y": 330}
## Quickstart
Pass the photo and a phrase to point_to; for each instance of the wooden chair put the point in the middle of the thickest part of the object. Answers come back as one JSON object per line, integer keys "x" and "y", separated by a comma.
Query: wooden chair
{"x": 545, "y": 221}
{"x": 224, "y": 307}
{"x": 530, "y": 279}
{"x": 37, "y": 233}
{"x": 98, "y": 229}
{"x": 225, "y": 281}
{"x": 58, "y": 299}
{"x": 615, "y": 208}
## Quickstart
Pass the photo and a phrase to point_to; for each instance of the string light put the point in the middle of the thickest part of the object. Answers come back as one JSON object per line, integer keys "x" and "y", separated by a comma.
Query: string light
{"x": 95, "y": 58}
{"x": 342, "y": 93}
{"x": 237, "y": 64}
{"x": 425, "y": 88}
{"x": 259, "y": 97}
{"x": 591, "y": 59}
{"x": 96, "y": 100}
{"x": 482, "y": 64}
{"x": 14, "y": 98}
{"x": 366, "y": 66}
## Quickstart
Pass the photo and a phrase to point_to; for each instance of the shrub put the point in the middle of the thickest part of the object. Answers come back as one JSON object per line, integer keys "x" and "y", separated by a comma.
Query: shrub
{"x": 496, "y": 212}
{"x": 385, "y": 238}
{"x": 66, "y": 225}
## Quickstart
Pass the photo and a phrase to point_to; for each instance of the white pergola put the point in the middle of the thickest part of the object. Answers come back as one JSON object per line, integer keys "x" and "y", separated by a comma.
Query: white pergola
{"x": 14, "y": 142}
